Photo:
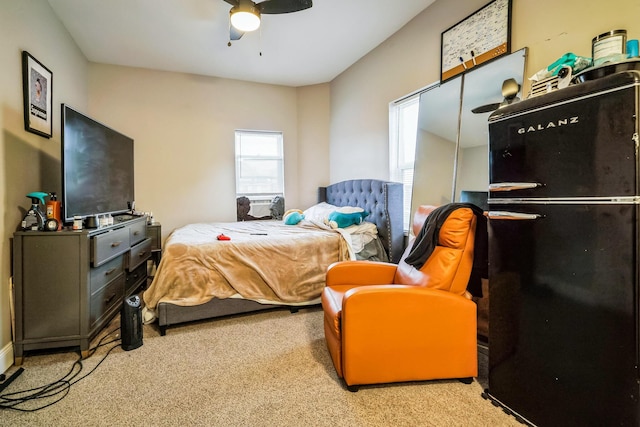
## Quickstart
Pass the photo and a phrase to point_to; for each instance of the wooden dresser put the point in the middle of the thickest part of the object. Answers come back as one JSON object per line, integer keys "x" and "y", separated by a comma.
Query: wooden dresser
{"x": 70, "y": 284}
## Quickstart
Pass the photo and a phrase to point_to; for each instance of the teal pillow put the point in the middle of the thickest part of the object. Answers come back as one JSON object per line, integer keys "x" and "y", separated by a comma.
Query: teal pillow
{"x": 339, "y": 219}
{"x": 293, "y": 218}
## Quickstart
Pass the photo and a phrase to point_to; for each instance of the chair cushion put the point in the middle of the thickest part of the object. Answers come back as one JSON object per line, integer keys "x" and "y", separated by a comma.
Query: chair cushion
{"x": 420, "y": 217}
{"x": 450, "y": 264}
{"x": 455, "y": 231}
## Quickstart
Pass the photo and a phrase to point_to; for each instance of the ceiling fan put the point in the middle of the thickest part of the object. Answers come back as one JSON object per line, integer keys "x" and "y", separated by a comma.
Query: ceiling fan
{"x": 245, "y": 14}
{"x": 510, "y": 89}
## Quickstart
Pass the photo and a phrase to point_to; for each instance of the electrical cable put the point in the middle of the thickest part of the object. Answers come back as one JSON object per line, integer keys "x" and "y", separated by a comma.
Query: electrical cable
{"x": 56, "y": 390}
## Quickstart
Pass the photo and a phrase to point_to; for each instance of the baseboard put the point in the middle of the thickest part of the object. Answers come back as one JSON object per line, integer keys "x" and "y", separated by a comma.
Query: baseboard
{"x": 6, "y": 357}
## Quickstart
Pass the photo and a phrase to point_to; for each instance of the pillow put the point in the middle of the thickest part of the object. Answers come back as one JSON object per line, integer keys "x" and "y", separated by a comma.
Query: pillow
{"x": 292, "y": 216}
{"x": 320, "y": 212}
{"x": 346, "y": 216}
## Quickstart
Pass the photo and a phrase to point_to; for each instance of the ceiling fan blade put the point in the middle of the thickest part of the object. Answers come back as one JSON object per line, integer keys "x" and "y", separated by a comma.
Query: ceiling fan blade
{"x": 283, "y": 6}
{"x": 486, "y": 108}
{"x": 232, "y": 2}
{"x": 234, "y": 33}
{"x": 510, "y": 89}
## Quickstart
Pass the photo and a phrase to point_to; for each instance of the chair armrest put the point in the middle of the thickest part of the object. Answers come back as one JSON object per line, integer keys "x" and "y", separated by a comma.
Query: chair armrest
{"x": 360, "y": 273}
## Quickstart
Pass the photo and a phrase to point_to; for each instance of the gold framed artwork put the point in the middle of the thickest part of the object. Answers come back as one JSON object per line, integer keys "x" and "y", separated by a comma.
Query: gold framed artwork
{"x": 479, "y": 38}
{"x": 37, "y": 87}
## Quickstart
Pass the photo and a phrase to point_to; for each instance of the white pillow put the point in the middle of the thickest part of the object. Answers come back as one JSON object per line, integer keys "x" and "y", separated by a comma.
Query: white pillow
{"x": 320, "y": 212}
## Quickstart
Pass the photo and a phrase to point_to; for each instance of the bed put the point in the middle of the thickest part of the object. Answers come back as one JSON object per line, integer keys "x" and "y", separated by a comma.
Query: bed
{"x": 200, "y": 277}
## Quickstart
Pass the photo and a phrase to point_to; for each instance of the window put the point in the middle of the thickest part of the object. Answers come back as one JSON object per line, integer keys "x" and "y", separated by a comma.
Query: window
{"x": 259, "y": 168}
{"x": 403, "y": 127}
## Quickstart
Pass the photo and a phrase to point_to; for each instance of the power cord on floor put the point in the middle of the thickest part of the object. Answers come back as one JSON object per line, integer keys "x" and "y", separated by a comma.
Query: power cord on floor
{"x": 54, "y": 392}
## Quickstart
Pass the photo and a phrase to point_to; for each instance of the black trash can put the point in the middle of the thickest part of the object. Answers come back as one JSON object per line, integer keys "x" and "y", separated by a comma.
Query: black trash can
{"x": 131, "y": 323}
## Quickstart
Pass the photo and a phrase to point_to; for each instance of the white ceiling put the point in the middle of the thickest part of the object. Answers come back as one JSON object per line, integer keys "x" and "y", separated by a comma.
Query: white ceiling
{"x": 191, "y": 36}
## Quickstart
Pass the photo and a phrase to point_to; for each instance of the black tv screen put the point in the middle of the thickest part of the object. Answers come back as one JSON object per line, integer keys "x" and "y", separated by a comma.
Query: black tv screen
{"x": 97, "y": 167}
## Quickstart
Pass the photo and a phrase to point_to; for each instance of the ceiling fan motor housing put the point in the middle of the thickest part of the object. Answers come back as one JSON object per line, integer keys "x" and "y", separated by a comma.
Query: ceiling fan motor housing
{"x": 245, "y": 14}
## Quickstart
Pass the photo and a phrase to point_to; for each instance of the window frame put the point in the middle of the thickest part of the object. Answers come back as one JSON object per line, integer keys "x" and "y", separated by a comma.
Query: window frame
{"x": 240, "y": 157}
{"x": 400, "y": 167}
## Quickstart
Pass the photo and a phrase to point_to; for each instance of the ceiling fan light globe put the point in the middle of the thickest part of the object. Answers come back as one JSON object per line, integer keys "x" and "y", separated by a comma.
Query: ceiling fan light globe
{"x": 245, "y": 20}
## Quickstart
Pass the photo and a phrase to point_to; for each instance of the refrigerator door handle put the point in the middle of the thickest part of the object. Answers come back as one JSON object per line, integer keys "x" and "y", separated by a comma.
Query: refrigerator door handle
{"x": 511, "y": 186}
{"x": 512, "y": 215}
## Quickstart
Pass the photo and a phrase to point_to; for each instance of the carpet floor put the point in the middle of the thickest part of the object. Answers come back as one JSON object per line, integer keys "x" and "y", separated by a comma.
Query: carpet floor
{"x": 265, "y": 369}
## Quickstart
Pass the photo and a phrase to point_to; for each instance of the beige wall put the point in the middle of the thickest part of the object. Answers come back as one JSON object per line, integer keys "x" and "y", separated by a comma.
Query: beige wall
{"x": 437, "y": 158}
{"x": 29, "y": 162}
{"x": 183, "y": 127}
{"x": 472, "y": 171}
{"x": 410, "y": 60}
{"x": 314, "y": 113}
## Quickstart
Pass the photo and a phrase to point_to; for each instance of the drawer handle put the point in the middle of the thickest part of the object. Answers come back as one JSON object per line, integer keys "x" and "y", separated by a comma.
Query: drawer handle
{"x": 512, "y": 215}
{"x": 106, "y": 273}
{"x": 512, "y": 186}
{"x": 135, "y": 233}
{"x": 141, "y": 254}
{"x": 116, "y": 244}
{"x": 108, "y": 300}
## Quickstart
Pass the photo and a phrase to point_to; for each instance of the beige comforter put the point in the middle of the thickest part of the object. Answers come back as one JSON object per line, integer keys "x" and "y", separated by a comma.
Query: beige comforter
{"x": 262, "y": 261}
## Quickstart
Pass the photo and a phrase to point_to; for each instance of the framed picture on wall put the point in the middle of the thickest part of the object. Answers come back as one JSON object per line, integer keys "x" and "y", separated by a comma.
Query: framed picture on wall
{"x": 37, "y": 86}
{"x": 481, "y": 37}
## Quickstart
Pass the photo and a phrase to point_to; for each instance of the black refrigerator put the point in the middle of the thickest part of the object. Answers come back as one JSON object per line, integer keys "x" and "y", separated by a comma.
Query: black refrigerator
{"x": 564, "y": 255}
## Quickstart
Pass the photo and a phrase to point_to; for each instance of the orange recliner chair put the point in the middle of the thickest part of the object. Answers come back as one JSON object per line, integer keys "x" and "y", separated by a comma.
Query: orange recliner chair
{"x": 388, "y": 323}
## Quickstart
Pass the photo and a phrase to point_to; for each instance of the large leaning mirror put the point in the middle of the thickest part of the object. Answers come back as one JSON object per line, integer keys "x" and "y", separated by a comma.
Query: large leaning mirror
{"x": 436, "y": 144}
{"x": 452, "y": 154}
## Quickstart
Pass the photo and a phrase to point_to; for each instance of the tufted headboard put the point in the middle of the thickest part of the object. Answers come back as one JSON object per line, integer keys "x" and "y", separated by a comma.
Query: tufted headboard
{"x": 383, "y": 201}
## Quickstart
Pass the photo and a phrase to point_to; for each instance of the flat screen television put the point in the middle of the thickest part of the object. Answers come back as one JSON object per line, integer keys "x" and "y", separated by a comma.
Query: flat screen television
{"x": 97, "y": 167}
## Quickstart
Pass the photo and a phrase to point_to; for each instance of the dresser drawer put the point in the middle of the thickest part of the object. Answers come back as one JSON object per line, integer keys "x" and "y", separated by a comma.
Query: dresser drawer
{"x": 107, "y": 272}
{"x": 136, "y": 278}
{"x": 105, "y": 301}
{"x": 137, "y": 255}
{"x": 137, "y": 232}
{"x": 107, "y": 246}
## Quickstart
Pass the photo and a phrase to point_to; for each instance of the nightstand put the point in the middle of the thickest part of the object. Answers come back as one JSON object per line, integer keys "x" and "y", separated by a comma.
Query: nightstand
{"x": 154, "y": 231}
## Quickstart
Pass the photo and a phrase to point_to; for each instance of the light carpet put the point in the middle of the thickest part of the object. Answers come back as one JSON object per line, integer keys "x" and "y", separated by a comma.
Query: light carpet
{"x": 264, "y": 369}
